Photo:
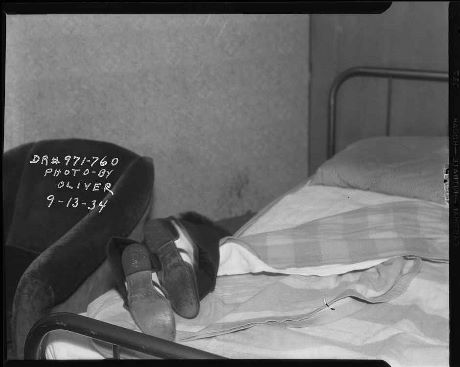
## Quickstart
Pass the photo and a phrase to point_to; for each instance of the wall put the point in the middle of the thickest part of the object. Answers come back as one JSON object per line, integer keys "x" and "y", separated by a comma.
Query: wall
{"x": 408, "y": 35}
{"x": 219, "y": 101}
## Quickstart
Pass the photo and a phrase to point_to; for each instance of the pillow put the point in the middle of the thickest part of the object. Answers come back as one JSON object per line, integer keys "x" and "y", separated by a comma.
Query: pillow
{"x": 405, "y": 166}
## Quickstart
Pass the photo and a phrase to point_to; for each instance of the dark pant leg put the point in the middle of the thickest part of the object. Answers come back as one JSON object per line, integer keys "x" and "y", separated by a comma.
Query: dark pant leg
{"x": 206, "y": 235}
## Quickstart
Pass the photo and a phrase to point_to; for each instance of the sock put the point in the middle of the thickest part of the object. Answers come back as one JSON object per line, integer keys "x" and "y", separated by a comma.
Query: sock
{"x": 155, "y": 281}
{"x": 185, "y": 243}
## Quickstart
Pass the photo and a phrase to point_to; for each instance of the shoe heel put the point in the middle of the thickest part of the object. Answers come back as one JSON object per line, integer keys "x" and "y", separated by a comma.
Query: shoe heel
{"x": 150, "y": 309}
{"x": 135, "y": 258}
{"x": 178, "y": 278}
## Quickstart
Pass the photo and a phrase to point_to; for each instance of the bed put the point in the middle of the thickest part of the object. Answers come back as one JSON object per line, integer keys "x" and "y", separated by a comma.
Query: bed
{"x": 351, "y": 264}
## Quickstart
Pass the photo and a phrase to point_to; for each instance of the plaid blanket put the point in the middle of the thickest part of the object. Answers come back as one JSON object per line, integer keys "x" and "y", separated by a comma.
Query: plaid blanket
{"x": 403, "y": 228}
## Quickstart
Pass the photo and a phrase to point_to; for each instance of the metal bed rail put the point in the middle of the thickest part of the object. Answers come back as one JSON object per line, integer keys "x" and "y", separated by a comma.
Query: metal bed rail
{"x": 140, "y": 342}
{"x": 115, "y": 335}
{"x": 376, "y": 72}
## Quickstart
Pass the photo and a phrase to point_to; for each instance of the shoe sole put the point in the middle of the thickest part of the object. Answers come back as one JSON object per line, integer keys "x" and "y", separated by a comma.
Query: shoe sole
{"x": 150, "y": 309}
{"x": 178, "y": 278}
{"x": 176, "y": 275}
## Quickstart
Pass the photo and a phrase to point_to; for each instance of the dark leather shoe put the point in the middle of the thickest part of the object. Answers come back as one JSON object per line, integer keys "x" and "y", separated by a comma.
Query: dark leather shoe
{"x": 176, "y": 275}
{"x": 146, "y": 301}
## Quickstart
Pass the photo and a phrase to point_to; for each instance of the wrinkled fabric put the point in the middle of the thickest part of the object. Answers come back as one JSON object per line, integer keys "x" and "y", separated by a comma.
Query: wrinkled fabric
{"x": 396, "y": 310}
{"x": 406, "y": 231}
{"x": 405, "y": 228}
{"x": 398, "y": 165}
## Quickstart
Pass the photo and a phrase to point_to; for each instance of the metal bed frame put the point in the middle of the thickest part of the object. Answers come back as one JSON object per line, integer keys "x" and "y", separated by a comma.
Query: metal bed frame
{"x": 115, "y": 335}
{"x": 374, "y": 72}
{"x": 159, "y": 348}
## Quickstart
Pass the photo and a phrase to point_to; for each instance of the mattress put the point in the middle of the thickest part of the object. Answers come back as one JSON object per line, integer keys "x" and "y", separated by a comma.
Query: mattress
{"x": 389, "y": 305}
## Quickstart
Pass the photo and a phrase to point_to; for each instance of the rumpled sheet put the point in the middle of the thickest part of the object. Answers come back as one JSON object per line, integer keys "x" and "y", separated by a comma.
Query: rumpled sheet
{"x": 410, "y": 330}
{"x": 406, "y": 232}
{"x": 298, "y": 316}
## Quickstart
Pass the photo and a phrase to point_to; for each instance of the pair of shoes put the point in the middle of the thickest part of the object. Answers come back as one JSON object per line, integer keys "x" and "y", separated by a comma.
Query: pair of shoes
{"x": 157, "y": 277}
{"x": 147, "y": 300}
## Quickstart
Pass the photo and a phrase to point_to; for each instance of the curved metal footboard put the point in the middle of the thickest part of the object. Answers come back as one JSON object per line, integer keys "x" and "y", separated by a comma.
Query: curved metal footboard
{"x": 116, "y": 335}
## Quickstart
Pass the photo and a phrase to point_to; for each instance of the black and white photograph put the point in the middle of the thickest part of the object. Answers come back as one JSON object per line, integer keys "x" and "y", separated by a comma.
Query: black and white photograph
{"x": 213, "y": 184}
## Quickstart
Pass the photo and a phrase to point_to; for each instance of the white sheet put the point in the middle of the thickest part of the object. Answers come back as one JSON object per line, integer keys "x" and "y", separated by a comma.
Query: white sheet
{"x": 390, "y": 331}
{"x": 63, "y": 344}
{"x": 355, "y": 336}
